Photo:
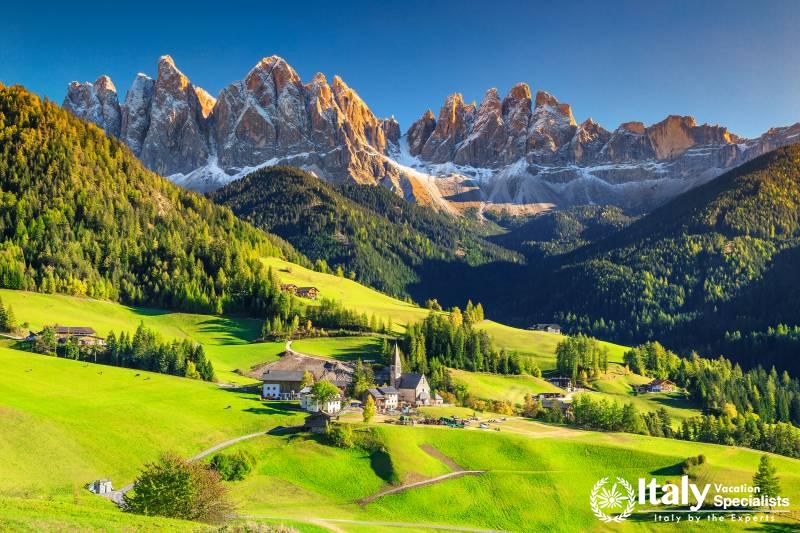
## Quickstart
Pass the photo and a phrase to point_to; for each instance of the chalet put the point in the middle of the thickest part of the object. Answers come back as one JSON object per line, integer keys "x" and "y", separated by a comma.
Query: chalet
{"x": 307, "y": 292}
{"x": 291, "y": 288}
{"x": 438, "y": 400}
{"x": 549, "y": 328}
{"x": 412, "y": 389}
{"x": 317, "y": 422}
{"x": 657, "y": 385}
{"x": 562, "y": 383}
{"x": 281, "y": 384}
{"x": 84, "y": 336}
{"x": 385, "y": 398}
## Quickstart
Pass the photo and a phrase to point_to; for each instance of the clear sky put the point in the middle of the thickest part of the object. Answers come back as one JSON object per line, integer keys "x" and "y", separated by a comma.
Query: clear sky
{"x": 731, "y": 62}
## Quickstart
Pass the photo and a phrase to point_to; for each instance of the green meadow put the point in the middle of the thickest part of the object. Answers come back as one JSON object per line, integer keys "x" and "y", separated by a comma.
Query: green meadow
{"x": 536, "y": 477}
{"x": 366, "y": 347}
{"x": 499, "y": 387}
{"x": 226, "y": 340}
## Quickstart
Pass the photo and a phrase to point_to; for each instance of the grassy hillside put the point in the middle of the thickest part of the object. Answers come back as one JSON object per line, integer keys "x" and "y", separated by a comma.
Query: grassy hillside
{"x": 536, "y": 477}
{"x": 498, "y": 387}
{"x": 343, "y": 348}
{"x": 617, "y": 386}
{"x": 128, "y": 417}
{"x": 226, "y": 340}
{"x": 90, "y": 421}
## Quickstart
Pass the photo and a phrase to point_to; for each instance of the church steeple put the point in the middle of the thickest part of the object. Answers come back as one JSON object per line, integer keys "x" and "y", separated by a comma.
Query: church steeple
{"x": 396, "y": 368}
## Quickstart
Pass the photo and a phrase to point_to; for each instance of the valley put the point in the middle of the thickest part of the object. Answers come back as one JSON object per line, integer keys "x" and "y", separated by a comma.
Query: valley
{"x": 273, "y": 310}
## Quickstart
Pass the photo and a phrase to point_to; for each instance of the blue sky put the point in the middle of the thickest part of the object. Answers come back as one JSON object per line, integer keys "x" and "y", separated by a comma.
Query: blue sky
{"x": 733, "y": 62}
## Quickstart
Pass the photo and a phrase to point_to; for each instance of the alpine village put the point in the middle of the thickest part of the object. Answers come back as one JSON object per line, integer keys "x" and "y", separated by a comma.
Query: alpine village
{"x": 271, "y": 309}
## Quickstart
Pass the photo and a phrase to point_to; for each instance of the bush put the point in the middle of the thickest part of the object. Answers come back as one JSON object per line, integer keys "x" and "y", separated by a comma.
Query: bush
{"x": 176, "y": 488}
{"x": 235, "y": 466}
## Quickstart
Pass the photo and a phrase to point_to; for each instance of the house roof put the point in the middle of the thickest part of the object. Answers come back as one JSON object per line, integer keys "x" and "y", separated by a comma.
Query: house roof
{"x": 74, "y": 330}
{"x": 388, "y": 390}
{"x": 375, "y": 393}
{"x": 282, "y": 375}
{"x": 437, "y": 397}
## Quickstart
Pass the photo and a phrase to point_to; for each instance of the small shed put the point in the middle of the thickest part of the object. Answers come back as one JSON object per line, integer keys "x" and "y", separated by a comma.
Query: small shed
{"x": 317, "y": 422}
{"x": 101, "y": 486}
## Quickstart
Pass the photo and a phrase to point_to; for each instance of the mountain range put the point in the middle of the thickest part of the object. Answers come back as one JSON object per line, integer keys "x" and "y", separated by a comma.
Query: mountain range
{"x": 519, "y": 154}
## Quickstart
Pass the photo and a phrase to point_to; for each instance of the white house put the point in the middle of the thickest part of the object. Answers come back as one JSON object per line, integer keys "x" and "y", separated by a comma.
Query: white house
{"x": 310, "y": 404}
{"x": 101, "y": 486}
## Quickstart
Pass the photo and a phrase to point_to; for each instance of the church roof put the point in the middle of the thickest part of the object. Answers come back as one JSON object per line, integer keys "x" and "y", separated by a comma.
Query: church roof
{"x": 410, "y": 381}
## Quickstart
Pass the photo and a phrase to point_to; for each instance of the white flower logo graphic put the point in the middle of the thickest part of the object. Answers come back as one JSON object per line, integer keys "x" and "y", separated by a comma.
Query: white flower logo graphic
{"x": 611, "y": 498}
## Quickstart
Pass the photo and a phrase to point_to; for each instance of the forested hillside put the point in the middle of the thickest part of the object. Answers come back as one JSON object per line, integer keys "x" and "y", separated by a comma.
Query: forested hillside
{"x": 80, "y": 215}
{"x": 560, "y": 231}
{"x": 715, "y": 270}
{"x": 364, "y": 232}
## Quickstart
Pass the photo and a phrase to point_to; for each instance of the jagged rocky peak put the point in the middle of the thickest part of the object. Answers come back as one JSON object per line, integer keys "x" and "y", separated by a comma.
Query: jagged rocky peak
{"x": 97, "y": 102}
{"x": 588, "y": 141}
{"x": 419, "y": 132}
{"x": 675, "y": 134}
{"x": 136, "y": 112}
{"x": 452, "y": 127}
{"x": 176, "y": 138}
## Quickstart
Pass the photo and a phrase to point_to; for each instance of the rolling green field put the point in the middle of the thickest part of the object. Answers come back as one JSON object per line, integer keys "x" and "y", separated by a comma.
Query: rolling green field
{"x": 88, "y": 421}
{"x": 226, "y": 340}
{"x": 499, "y": 387}
{"x": 537, "y": 477}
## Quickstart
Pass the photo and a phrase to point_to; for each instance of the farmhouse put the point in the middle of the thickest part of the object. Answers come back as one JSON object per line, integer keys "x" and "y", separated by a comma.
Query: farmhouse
{"x": 281, "y": 384}
{"x": 657, "y": 385}
{"x": 561, "y": 383}
{"x": 549, "y": 328}
{"x": 412, "y": 389}
{"x": 307, "y": 292}
{"x": 385, "y": 398}
{"x": 85, "y": 336}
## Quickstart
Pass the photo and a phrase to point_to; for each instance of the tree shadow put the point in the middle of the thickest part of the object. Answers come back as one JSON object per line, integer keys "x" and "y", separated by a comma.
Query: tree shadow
{"x": 671, "y": 470}
{"x": 381, "y": 463}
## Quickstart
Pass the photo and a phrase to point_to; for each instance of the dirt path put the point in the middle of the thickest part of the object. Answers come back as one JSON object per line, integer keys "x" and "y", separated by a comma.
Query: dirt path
{"x": 116, "y": 496}
{"x": 436, "y": 454}
{"x": 330, "y": 521}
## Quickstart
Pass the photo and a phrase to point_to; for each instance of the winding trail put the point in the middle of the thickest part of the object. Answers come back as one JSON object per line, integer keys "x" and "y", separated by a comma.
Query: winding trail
{"x": 116, "y": 496}
{"x": 436, "y": 454}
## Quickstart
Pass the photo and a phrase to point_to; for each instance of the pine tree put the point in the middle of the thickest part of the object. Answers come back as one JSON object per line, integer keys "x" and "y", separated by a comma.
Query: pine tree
{"x": 766, "y": 478}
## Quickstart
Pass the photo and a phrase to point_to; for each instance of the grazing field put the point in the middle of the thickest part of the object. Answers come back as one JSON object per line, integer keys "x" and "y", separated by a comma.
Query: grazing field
{"x": 86, "y": 421}
{"x": 342, "y": 348}
{"x": 226, "y": 340}
{"x": 499, "y": 387}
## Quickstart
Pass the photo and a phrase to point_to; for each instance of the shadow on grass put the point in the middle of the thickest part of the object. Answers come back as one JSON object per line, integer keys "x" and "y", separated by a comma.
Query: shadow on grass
{"x": 232, "y": 330}
{"x": 381, "y": 463}
{"x": 672, "y": 470}
{"x": 274, "y": 408}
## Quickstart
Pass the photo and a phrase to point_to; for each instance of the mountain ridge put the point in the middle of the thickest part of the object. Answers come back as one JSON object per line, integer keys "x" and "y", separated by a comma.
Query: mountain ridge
{"x": 523, "y": 154}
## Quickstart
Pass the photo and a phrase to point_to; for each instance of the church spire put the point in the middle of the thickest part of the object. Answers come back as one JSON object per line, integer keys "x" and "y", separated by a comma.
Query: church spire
{"x": 396, "y": 368}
